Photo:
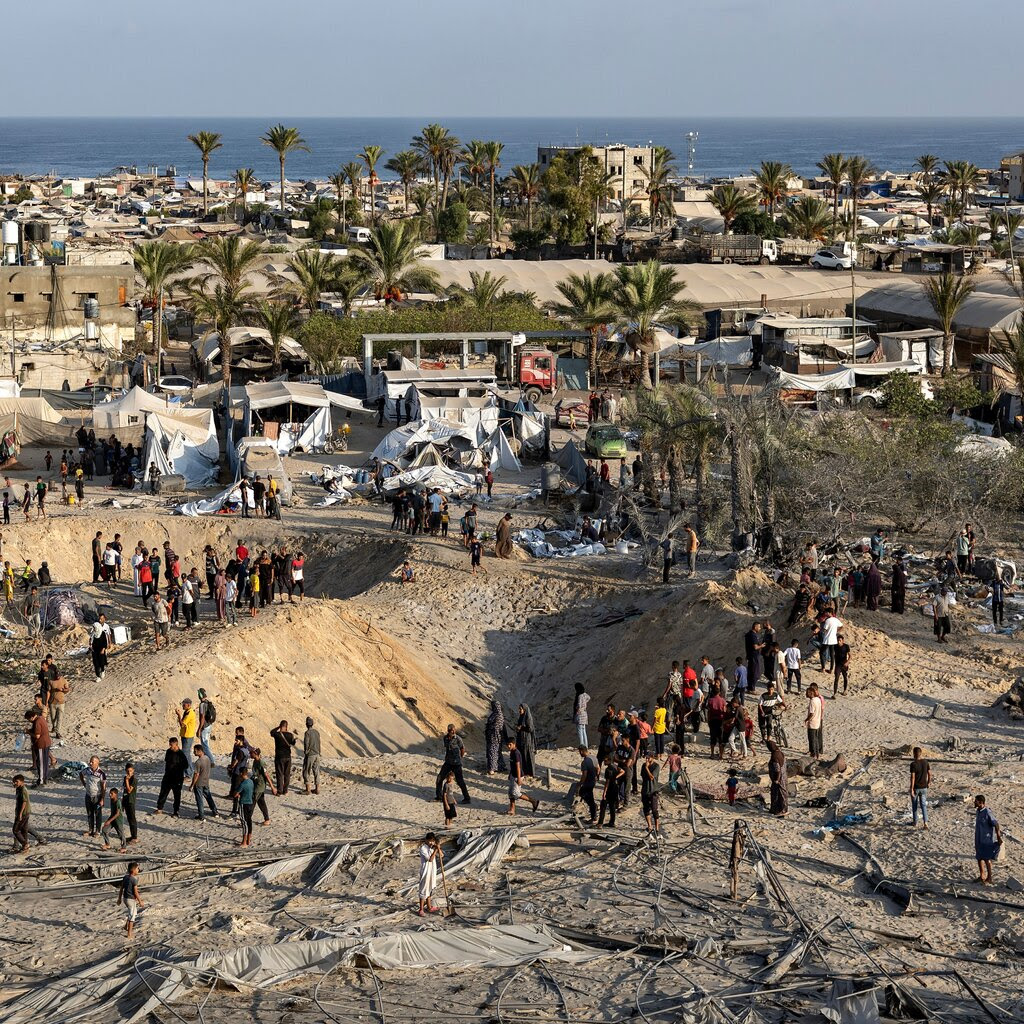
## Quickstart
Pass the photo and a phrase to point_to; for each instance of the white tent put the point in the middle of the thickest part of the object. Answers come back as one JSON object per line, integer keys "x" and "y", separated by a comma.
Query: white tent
{"x": 409, "y": 437}
{"x": 311, "y": 431}
{"x": 181, "y": 446}
{"x": 131, "y": 410}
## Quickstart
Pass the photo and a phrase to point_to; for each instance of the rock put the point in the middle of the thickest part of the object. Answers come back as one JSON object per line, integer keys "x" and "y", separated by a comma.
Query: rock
{"x": 822, "y": 835}
{"x": 876, "y": 787}
{"x": 1014, "y": 884}
{"x": 937, "y": 711}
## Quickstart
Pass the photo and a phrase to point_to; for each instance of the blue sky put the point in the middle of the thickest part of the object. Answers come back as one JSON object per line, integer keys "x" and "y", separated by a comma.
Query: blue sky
{"x": 427, "y": 58}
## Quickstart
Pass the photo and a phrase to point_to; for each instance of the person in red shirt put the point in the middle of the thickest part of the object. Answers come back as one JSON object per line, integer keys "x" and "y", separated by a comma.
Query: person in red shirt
{"x": 689, "y": 674}
{"x": 241, "y": 552}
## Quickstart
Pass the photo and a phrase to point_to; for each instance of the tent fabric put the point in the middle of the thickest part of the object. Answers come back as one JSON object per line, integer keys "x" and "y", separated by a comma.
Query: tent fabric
{"x": 396, "y": 443}
{"x": 257, "y": 455}
{"x": 838, "y": 380}
{"x": 179, "y": 446}
{"x": 721, "y": 352}
{"x": 275, "y": 870}
{"x": 132, "y": 408}
{"x": 448, "y": 480}
{"x": 883, "y": 369}
{"x": 282, "y": 392}
{"x": 570, "y": 459}
{"x": 985, "y": 309}
{"x": 312, "y": 433}
{"x": 502, "y": 456}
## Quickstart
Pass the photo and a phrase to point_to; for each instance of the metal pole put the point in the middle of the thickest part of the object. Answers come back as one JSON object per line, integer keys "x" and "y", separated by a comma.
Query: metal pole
{"x": 853, "y": 300}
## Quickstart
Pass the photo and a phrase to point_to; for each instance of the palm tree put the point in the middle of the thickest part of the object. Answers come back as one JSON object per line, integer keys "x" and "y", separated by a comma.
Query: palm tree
{"x": 492, "y": 158}
{"x": 961, "y": 178}
{"x": 807, "y": 218}
{"x": 283, "y": 141}
{"x": 206, "y": 143}
{"x": 279, "y": 320}
{"x": 946, "y": 294}
{"x": 245, "y": 178}
{"x": 587, "y": 302}
{"x": 391, "y": 264}
{"x": 644, "y": 294}
{"x": 833, "y": 166}
{"x": 407, "y": 164}
{"x": 159, "y": 264}
{"x": 1011, "y": 348}
{"x": 680, "y": 422}
{"x": 316, "y": 272}
{"x": 370, "y": 155}
{"x": 353, "y": 170}
{"x": 440, "y": 148}
{"x": 485, "y": 290}
{"x": 659, "y": 185}
{"x": 927, "y": 165}
{"x": 338, "y": 182}
{"x": 858, "y": 173}
{"x": 526, "y": 181}
{"x": 221, "y": 294}
{"x": 474, "y": 156}
{"x": 346, "y": 289}
{"x": 731, "y": 202}
{"x": 772, "y": 181}
{"x": 931, "y": 193}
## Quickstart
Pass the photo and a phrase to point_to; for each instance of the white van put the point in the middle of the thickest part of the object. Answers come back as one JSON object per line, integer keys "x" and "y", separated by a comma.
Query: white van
{"x": 358, "y": 234}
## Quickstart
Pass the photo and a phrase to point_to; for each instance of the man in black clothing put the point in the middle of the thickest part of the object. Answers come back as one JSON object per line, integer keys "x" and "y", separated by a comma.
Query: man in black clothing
{"x": 382, "y": 404}
{"x": 588, "y": 779}
{"x": 801, "y": 602}
{"x": 841, "y": 665}
{"x": 243, "y": 490}
{"x": 283, "y": 743}
{"x": 97, "y": 556}
{"x": 259, "y": 490}
{"x": 175, "y": 766}
{"x": 454, "y": 751}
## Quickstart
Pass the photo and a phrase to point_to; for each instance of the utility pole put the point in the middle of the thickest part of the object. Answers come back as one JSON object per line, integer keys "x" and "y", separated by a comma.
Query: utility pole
{"x": 853, "y": 301}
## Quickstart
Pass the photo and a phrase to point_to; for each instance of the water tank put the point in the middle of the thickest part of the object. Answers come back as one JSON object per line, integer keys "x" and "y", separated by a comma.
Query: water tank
{"x": 37, "y": 231}
{"x": 92, "y": 330}
{"x": 678, "y": 234}
{"x": 9, "y": 232}
{"x": 91, "y": 308}
{"x": 550, "y": 477}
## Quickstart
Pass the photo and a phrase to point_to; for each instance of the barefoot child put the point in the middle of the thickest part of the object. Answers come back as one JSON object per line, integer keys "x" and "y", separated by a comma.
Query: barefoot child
{"x": 128, "y": 893}
{"x": 430, "y": 853}
{"x": 674, "y": 763}
{"x": 731, "y": 785}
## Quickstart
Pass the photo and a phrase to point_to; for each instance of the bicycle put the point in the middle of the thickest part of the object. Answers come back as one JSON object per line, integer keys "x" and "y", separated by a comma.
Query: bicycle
{"x": 333, "y": 443}
{"x": 779, "y": 731}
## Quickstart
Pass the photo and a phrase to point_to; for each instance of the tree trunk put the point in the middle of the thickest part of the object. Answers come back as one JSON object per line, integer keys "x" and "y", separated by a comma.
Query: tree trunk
{"x": 529, "y": 212}
{"x": 675, "y": 481}
{"x": 282, "y": 185}
{"x": 373, "y": 200}
{"x": 649, "y": 478}
{"x": 739, "y": 492}
{"x": 405, "y": 185}
{"x": 206, "y": 187}
{"x": 592, "y": 356}
{"x": 645, "y": 369}
{"x": 597, "y": 217}
{"x": 700, "y": 486}
{"x": 492, "y": 206}
{"x": 947, "y": 354}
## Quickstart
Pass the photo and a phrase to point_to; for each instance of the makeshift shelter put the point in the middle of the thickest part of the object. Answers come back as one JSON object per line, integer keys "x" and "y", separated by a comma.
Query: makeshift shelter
{"x": 293, "y": 414}
{"x": 35, "y": 421}
{"x": 923, "y": 346}
{"x": 182, "y": 446}
{"x": 252, "y": 352}
{"x": 131, "y": 410}
{"x": 456, "y": 445}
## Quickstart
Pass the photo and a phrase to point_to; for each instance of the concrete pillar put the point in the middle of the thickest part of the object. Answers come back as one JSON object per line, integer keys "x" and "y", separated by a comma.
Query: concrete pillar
{"x": 367, "y": 359}
{"x": 465, "y": 353}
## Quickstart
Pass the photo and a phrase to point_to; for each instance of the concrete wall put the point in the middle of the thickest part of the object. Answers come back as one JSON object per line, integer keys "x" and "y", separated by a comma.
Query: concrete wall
{"x": 26, "y": 294}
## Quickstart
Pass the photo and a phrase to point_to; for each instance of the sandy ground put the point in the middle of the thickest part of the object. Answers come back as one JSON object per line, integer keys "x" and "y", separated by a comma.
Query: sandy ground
{"x": 383, "y": 667}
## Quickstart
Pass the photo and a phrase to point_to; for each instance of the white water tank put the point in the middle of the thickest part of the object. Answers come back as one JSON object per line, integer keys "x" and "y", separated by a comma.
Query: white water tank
{"x": 92, "y": 330}
{"x": 9, "y": 232}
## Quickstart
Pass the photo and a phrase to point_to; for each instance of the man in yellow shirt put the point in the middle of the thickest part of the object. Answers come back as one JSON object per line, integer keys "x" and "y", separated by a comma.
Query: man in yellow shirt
{"x": 188, "y": 726}
{"x": 660, "y": 726}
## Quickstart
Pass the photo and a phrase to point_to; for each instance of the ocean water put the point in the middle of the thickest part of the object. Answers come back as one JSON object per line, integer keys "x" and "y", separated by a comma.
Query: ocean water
{"x": 86, "y": 146}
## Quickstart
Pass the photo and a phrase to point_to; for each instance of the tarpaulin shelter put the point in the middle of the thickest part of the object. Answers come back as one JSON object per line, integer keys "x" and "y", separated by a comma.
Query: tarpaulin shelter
{"x": 301, "y": 412}
{"x": 402, "y": 445}
{"x": 180, "y": 445}
{"x": 923, "y": 346}
{"x": 570, "y": 459}
{"x": 35, "y": 421}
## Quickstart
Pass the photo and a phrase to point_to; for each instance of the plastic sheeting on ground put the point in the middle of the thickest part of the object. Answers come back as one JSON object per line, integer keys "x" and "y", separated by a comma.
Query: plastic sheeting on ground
{"x": 449, "y": 481}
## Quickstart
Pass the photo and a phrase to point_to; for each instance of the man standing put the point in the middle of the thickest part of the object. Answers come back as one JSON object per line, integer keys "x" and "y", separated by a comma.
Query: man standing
{"x": 753, "y": 642}
{"x": 207, "y": 716}
{"x": 649, "y": 793}
{"x": 588, "y": 779}
{"x": 842, "y": 665}
{"x": 283, "y": 743}
{"x": 899, "y": 587}
{"x": 920, "y": 780}
{"x": 829, "y": 639}
{"x": 515, "y": 779}
{"x": 59, "y": 689}
{"x": 666, "y": 557}
{"x": 188, "y": 725}
{"x": 259, "y": 490}
{"x": 30, "y": 609}
{"x": 128, "y": 894}
{"x": 22, "y": 810}
{"x": 998, "y": 595}
{"x": 454, "y": 752}
{"x": 311, "y": 757}
{"x": 97, "y": 555}
{"x": 940, "y": 615}
{"x": 202, "y": 766}
{"x": 877, "y": 546}
{"x": 40, "y": 732}
{"x": 175, "y": 767}
{"x": 793, "y": 657}
{"x": 692, "y": 542}
{"x": 94, "y": 779}
{"x": 243, "y": 489}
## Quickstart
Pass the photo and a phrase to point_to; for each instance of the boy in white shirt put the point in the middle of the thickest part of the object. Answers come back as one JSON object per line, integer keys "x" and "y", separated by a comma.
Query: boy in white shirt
{"x": 793, "y": 660}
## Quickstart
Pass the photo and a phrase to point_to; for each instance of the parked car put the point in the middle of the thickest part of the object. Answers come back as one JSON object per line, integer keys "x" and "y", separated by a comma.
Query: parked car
{"x": 825, "y": 259}
{"x": 175, "y": 384}
{"x": 874, "y": 398}
{"x": 605, "y": 441}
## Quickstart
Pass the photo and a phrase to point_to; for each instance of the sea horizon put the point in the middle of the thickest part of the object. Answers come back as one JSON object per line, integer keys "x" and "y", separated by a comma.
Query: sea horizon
{"x": 727, "y": 145}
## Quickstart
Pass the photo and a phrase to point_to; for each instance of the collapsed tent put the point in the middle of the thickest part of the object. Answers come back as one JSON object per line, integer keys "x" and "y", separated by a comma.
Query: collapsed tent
{"x": 179, "y": 445}
{"x": 254, "y": 456}
{"x": 448, "y": 481}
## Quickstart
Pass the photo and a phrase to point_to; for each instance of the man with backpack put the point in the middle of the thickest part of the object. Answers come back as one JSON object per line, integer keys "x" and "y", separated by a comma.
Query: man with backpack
{"x": 207, "y": 716}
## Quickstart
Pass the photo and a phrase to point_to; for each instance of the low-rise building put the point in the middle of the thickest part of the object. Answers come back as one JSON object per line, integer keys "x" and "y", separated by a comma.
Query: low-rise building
{"x": 626, "y": 166}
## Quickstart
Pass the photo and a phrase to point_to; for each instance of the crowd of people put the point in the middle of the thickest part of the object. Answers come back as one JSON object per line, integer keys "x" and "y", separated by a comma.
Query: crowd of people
{"x": 111, "y": 804}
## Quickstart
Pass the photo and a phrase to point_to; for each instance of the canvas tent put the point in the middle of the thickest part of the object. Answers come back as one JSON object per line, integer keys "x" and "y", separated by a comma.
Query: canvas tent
{"x": 180, "y": 445}
{"x": 35, "y": 421}
{"x": 282, "y": 402}
{"x": 924, "y": 347}
{"x": 131, "y": 410}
